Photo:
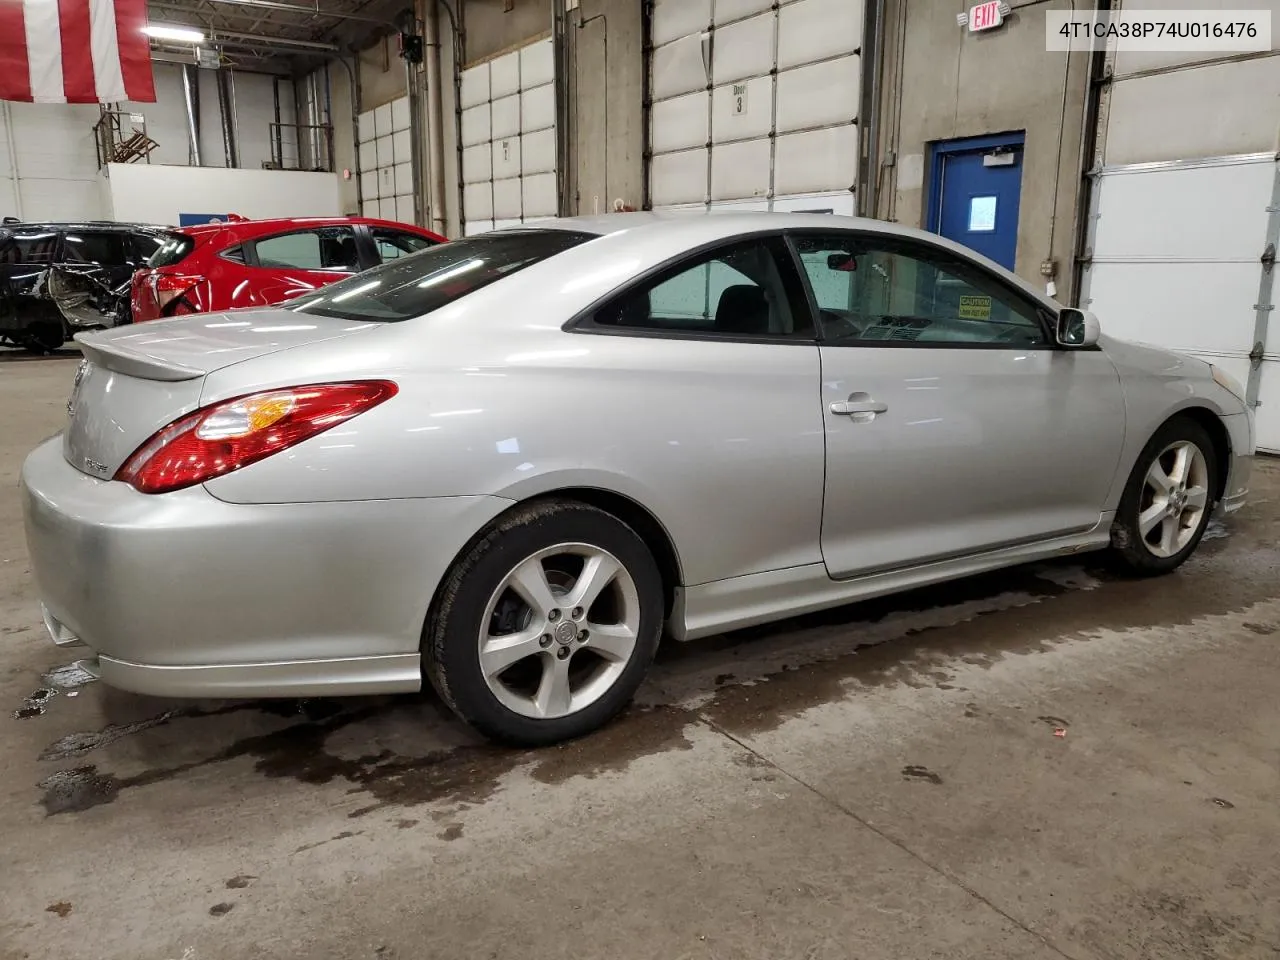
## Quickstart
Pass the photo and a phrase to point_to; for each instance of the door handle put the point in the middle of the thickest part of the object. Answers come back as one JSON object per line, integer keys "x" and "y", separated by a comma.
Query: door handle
{"x": 847, "y": 408}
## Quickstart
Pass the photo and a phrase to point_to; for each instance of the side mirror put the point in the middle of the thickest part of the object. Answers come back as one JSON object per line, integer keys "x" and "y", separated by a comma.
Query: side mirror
{"x": 1077, "y": 328}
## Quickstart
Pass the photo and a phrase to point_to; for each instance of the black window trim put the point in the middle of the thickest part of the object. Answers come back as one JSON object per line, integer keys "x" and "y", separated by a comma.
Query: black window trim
{"x": 584, "y": 320}
{"x": 250, "y": 248}
{"x": 1044, "y": 316}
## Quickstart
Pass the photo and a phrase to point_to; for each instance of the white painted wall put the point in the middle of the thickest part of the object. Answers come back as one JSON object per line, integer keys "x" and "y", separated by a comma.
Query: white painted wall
{"x": 57, "y": 172}
{"x": 158, "y": 194}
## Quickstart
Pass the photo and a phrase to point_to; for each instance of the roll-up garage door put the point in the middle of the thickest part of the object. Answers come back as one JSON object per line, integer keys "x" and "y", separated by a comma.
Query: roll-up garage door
{"x": 1185, "y": 212}
{"x": 754, "y": 106}
{"x": 509, "y": 139}
{"x": 386, "y": 162}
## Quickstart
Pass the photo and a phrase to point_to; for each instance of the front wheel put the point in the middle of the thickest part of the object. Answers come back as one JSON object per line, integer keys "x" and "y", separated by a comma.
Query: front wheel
{"x": 1167, "y": 503}
{"x": 544, "y": 630}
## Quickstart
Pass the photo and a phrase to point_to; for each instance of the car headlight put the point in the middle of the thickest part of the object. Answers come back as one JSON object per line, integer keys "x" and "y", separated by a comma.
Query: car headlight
{"x": 1228, "y": 383}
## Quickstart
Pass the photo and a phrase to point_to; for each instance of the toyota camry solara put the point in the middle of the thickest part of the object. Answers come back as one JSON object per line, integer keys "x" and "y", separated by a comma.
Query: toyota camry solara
{"x": 511, "y": 463}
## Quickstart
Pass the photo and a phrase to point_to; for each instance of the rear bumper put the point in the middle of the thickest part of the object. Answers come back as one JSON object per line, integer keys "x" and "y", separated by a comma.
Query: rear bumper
{"x": 184, "y": 594}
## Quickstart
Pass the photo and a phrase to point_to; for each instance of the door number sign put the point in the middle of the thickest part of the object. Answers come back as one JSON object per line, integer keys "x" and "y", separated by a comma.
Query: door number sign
{"x": 739, "y": 99}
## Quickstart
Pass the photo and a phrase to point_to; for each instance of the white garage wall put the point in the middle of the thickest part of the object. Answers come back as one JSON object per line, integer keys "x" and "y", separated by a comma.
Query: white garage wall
{"x": 158, "y": 194}
{"x": 755, "y": 107}
{"x": 386, "y": 162}
{"x": 57, "y": 171}
{"x": 509, "y": 139}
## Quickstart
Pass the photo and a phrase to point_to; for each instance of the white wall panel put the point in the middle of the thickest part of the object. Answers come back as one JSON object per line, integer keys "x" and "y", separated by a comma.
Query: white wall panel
{"x": 537, "y": 64}
{"x": 679, "y": 123}
{"x": 386, "y": 182}
{"x": 402, "y": 147}
{"x": 478, "y": 226}
{"x": 400, "y": 114}
{"x": 404, "y": 208}
{"x": 783, "y": 108}
{"x": 475, "y": 86}
{"x": 509, "y": 136}
{"x": 384, "y": 152}
{"x": 678, "y": 177}
{"x": 369, "y": 184}
{"x": 538, "y": 152}
{"x": 506, "y": 158}
{"x": 816, "y": 160}
{"x": 540, "y": 195}
{"x": 726, "y": 10}
{"x": 506, "y": 117}
{"x": 1209, "y": 111}
{"x": 740, "y": 170}
{"x": 382, "y": 120}
{"x": 678, "y": 68}
{"x": 756, "y": 120}
{"x": 365, "y": 125}
{"x": 538, "y": 108}
{"x": 475, "y": 125}
{"x": 368, "y": 155}
{"x": 478, "y": 200}
{"x": 477, "y": 163}
{"x": 504, "y": 75}
{"x": 1267, "y": 422}
{"x": 838, "y": 204}
{"x": 507, "y": 199}
{"x": 159, "y": 193}
{"x": 823, "y": 93}
{"x": 743, "y": 49}
{"x": 676, "y": 18}
{"x": 404, "y": 178}
{"x": 813, "y": 29}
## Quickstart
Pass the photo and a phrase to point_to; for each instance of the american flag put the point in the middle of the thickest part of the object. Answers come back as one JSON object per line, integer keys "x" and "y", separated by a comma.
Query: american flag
{"x": 75, "y": 51}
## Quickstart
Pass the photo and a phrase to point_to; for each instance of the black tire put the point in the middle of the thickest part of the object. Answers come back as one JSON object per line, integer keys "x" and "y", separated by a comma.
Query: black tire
{"x": 450, "y": 639}
{"x": 1128, "y": 548}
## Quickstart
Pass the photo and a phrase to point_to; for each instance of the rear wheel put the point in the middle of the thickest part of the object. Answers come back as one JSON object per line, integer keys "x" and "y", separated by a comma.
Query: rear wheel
{"x": 1168, "y": 501}
{"x": 545, "y": 628}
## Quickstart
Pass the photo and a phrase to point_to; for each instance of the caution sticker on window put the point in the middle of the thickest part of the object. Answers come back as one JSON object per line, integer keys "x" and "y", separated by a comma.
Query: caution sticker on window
{"x": 975, "y": 308}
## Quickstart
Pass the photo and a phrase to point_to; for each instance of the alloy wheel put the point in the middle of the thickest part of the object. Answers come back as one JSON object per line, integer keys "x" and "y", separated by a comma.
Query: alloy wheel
{"x": 1175, "y": 495}
{"x": 559, "y": 630}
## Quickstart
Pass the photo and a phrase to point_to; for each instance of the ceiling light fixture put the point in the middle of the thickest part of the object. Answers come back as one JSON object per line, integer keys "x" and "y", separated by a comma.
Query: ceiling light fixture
{"x": 183, "y": 34}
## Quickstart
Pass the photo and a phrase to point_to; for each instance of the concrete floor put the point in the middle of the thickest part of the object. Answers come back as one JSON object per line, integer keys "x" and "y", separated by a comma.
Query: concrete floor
{"x": 887, "y": 781}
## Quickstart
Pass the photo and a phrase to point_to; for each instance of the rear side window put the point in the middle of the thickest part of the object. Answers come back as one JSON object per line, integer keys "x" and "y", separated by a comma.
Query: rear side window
{"x": 417, "y": 284}
{"x": 29, "y": 246}
{"x": 176, "y": 248}
{"x": 104, "y": 249}
{"x": 325, "y": 248}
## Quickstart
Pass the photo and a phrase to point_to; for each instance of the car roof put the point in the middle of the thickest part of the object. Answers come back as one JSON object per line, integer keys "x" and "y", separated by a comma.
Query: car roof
{"x": 84, "y": 224}
{"x": 701, "y": 226}
{"x": 253, "y": 228}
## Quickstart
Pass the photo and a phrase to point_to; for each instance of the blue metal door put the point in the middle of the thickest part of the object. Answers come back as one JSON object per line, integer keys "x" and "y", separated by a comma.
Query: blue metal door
{"x": 974, "y": 194}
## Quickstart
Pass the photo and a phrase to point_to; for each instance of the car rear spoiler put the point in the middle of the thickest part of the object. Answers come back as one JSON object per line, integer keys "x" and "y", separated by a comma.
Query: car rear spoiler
{"x": 132, "y": 363}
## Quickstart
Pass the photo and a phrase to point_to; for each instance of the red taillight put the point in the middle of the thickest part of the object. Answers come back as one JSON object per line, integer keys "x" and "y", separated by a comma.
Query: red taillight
{"x": 170, "y": 291}
{"x": 238, "y": 432}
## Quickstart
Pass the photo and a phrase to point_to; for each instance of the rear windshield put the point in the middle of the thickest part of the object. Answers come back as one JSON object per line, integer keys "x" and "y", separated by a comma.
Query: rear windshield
{"x": 174, "y": 249}
{"x": 421, "y": 282}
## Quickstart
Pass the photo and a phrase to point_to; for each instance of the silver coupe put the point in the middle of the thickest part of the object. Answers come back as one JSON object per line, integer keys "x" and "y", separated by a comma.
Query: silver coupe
{"x": 511, "y": 463}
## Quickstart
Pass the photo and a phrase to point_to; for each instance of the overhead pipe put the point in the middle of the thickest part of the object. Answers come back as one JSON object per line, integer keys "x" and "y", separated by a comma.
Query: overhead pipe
{"x": 231, "y": 38}
{"x": 412, "y": 78}
{"x": 458, "y": 27}
{"x": 435, "y": 123}
{"x": 191, "y": 96}
{"x": 306, "y": 11}
{"x": 225, "y": 111}
{"x": 353, "y": 81}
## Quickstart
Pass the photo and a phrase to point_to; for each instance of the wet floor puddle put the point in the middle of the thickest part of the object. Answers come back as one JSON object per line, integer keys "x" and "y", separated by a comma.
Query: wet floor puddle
{"x": 932, "y": 631}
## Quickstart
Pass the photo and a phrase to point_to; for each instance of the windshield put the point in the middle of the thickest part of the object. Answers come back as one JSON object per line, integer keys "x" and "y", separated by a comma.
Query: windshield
{"x": 422, "y": 282}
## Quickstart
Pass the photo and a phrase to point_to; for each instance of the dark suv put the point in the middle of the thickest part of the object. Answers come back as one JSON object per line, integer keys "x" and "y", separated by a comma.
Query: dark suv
{"x": 59, "y": 278}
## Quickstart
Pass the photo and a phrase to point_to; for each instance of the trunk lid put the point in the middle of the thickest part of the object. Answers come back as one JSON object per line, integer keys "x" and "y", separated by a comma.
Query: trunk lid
{"x": 135, "y": 380}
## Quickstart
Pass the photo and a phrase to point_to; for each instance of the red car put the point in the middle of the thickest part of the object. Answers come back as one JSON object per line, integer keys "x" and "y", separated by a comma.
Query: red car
{"x": 251, "y": 263}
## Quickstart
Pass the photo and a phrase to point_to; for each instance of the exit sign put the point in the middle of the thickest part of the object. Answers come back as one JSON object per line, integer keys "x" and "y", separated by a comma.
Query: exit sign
{"x": 984, "y": 16}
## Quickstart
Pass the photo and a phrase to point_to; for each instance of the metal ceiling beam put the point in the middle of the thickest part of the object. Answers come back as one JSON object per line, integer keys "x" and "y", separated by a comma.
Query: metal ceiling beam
{"x": 241, "y": 39}
{"x": 301, "y": 10}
